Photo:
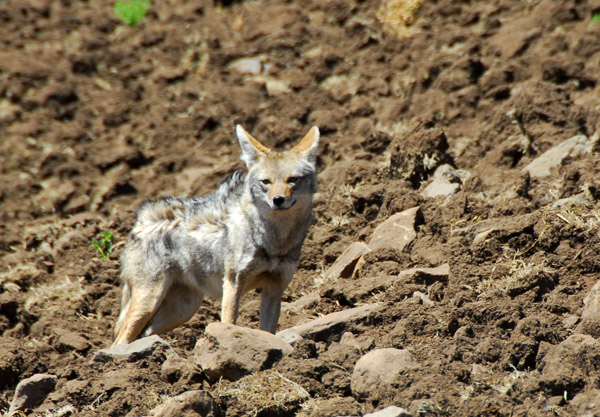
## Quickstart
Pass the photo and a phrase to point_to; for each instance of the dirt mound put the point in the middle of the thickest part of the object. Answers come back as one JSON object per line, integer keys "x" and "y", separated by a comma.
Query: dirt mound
{"x": 495, "y": 103}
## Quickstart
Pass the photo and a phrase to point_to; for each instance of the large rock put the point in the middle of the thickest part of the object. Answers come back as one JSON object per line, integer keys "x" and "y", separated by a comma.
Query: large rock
{"x": 330, "y": 327}
{"x": 376, "y": 373}
{"x": 344, "y": 265}
{"x": 189, "y": 404}
{"x": 32, "y": 391}
{"x": 541, "y": 166}
{"x": 398, "y": 231}
{"x": 231, "y": 351}
{"x": 136, "y": 350}
{"x": 590, "y": 316}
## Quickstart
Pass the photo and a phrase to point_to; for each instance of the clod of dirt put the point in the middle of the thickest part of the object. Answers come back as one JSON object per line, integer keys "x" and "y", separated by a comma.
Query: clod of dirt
{"x": 590, "y": 316}
{"x": 568, "y": 366}
{"x": 189, "y": 404}
{"x": 416, "y": 160}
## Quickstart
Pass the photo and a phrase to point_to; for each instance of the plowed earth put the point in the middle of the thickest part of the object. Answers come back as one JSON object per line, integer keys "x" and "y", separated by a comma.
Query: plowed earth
{"x": 96, "y": 116}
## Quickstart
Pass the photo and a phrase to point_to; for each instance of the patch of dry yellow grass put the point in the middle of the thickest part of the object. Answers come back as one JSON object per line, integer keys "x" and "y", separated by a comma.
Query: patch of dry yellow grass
{"x": 264, "y": 391}
{"x": 52, "y": 296}
{"x": 398, "y": 16}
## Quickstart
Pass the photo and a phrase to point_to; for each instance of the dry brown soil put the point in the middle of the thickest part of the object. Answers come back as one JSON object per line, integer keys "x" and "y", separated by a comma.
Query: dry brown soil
{"x": 96, "y": 116}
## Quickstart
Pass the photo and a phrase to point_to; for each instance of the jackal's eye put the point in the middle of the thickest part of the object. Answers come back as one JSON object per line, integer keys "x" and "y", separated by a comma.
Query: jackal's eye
{"x": 265, "y": 181}
{"x": 292, "y": 180}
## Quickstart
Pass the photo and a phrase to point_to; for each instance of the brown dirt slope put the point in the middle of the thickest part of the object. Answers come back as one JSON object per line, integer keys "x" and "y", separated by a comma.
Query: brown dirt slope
{"x": 96, "y": 116}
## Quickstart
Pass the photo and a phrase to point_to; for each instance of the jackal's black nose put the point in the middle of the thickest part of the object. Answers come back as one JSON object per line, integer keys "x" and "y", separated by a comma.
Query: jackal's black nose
{"x": 278, "y": 200}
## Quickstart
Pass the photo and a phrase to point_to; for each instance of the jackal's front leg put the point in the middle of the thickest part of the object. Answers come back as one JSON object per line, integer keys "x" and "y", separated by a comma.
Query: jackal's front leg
{"x": 232, "y": 293}
{"x": 270, "y": 308}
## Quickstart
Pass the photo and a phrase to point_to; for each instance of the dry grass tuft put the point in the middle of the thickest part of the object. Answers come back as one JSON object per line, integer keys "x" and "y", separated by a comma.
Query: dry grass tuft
{"x": 518, "y": 272}
{"x": 345, "y": 194}
{"x": 399, "y": 15}
{"x": 52, "y": 296}
{"x": 320, "y": 278}
{"x": 577, "y": 216}
{"x": 339, "y": 220}
{"x": 9, "y": 279}
{"x": 266, "y": 391}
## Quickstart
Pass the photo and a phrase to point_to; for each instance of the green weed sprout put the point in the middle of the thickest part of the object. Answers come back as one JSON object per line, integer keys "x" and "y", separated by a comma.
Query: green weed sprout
{"x": 132, "y": 11}
{"x": 104, "y": 246}
{"x": 595, "y": 18}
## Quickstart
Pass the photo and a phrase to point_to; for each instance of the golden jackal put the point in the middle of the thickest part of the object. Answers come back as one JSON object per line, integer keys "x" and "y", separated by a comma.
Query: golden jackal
{"x": 246, "y": 235}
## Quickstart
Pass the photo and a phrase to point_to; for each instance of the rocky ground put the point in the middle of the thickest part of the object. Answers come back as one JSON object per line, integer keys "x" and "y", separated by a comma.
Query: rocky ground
{"x": 475, "y": 124}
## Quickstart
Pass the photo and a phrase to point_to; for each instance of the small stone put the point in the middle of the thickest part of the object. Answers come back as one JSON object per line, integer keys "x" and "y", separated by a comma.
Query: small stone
{"x": 581, "y": 199}
{"x": 570, "y": 321}
{"x": 136, "y": 350}
{"x": 189, "y": 404}
{"x": 302, "y": 303}
{"x": 349, "y": 340}
{"x": 445, "y": 182}
{"x": 480, "y": 374}
{"x": 276, "y": 87}
{"x": 541, "y": 166}
{"x": 480, "y": 237}
{"x": 331, "y": 326}
{"x": 170, "y": 74}
{"x": 251, "y": 65}
{"x": 376, "y": 372}
{"x": 426, "y": 276}
{"x": 32, "y": 391}
{"x": 398, "y": 231}
{"x": 423, "y": 298}
{"x": 231, "y": 351}
{"x": 344, "y": 265}
{"x": 391, "y": 411}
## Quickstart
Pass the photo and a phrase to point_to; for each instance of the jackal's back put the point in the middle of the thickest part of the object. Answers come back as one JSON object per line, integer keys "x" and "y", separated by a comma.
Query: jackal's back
{"x": 169, "y": 213}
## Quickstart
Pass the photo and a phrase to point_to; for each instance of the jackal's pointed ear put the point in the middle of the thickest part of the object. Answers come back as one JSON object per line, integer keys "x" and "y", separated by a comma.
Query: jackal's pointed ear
{"x": 309, "y": 143}
{"x": 252, "y": 149}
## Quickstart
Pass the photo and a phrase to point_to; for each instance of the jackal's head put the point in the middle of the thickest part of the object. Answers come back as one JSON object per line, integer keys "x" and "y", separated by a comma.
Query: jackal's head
{"x": 281, "y": 180}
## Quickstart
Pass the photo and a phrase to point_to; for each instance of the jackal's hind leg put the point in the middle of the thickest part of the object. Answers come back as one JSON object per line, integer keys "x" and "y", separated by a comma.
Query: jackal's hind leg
{"x": 125, "y": 297}
{"x": 180, "y": 304}
{"x": 142, "y": 305}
